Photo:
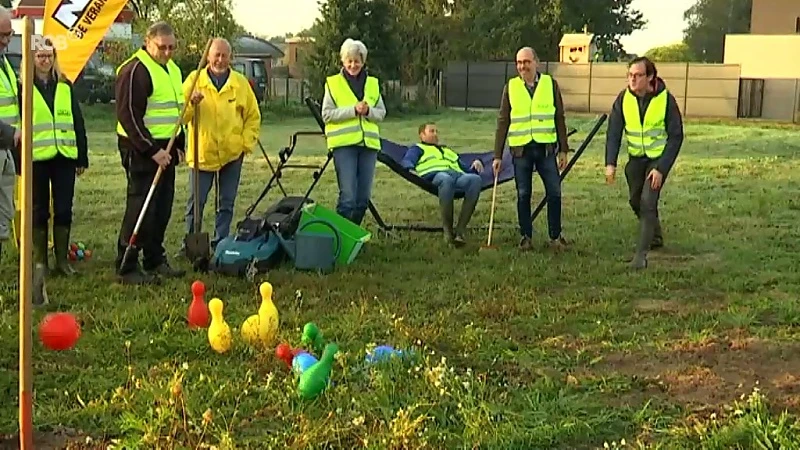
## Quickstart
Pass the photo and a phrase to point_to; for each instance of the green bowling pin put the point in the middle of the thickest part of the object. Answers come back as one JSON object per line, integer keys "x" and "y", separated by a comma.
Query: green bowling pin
{"x": 315, "y": 379}
{"x": 312, "y": 337}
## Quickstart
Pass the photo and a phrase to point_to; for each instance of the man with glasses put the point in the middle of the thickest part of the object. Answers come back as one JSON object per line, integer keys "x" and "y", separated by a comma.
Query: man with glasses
{"x": 149, "y": 100}
{"x": 647, "y": 113}
{"x": 10, "y": 115}
{"x": 532, "y": 119}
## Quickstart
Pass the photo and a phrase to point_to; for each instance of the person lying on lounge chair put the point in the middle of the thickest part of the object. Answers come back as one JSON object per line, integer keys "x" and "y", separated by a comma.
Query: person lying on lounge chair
{"x": 441, "y": 166}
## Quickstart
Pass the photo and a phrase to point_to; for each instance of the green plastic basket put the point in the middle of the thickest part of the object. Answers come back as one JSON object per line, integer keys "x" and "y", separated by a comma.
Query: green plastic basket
{"x": 352, "y": 236}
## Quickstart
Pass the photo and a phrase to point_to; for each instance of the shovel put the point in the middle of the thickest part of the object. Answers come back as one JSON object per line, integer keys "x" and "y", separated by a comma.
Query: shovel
{"x": 198, "y": 248}
{"x": 489, "y": 245}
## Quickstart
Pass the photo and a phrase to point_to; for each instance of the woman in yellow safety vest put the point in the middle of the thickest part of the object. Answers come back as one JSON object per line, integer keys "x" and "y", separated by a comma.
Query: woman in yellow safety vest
{"x": 351, "y": 109}
{"x": 60, "y": 153}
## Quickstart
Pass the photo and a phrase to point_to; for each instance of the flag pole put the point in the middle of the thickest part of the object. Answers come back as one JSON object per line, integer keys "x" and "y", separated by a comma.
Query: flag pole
{"x": 26, "y": 244}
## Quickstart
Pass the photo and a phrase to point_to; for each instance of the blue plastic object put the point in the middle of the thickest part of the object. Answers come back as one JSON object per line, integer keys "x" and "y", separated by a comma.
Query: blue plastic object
{"x": 383, "y": 353}
{"x": 302, "y": 361}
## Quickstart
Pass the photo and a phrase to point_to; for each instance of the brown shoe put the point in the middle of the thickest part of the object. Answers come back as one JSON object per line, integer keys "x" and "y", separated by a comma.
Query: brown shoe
{"x": 525, "y": 244}
{"x": 560, "y": 243}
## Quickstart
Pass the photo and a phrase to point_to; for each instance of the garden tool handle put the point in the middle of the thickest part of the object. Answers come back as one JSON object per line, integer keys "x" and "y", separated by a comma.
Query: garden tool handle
{"x": 491, "y": 214}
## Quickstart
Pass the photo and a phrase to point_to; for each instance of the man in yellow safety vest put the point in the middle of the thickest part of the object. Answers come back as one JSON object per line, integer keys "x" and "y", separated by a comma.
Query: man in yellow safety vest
{"x": 149, "y": 98}
{"x": 531, "y": 119}
{"x": 648, "y": 115}
{"x": 441, "y": 166}
{"x": 10, "y": 115}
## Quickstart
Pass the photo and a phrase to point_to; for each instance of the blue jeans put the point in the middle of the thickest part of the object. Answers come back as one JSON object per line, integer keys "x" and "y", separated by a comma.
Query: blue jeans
{"x": 535, "y": 157}
{"x": 228, "y": 187}
{"x": 449, "y": 182}
{"x": 355, "y": 171}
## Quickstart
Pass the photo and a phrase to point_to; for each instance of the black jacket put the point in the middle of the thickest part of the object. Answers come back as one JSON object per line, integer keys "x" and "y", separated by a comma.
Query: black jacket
{"x": 674, "y": 126}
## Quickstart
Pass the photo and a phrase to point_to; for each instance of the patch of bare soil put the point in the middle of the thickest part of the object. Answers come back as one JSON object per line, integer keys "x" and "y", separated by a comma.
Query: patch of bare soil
{"x": 714, "y": 372}
{"x": 64, "y": 439}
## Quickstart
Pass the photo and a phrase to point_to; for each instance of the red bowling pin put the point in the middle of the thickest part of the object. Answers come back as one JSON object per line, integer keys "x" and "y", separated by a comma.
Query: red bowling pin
{"x": 198, "y": 316}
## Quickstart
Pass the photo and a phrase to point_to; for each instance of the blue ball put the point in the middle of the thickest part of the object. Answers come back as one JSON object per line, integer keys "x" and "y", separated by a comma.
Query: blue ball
{"x": 302, "y": 361}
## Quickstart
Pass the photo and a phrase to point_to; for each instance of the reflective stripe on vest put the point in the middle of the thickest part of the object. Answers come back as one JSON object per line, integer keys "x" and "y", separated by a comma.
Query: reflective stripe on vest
{"x": 434, "y": 160}
{"x": 9, "y": 109}
{"x": 648, "y": 138}
{"x": 164, "y": 106}
{"x": 532, "y": 119}
{"x": 53, "y": 133}
{"x": 358, "y": 130}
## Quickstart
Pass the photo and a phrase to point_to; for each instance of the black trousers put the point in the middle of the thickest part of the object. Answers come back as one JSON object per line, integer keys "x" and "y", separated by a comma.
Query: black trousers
{"x": 58, "y": 175}
{"x": 642, "y": 198}
{"x": 150, "y": 238}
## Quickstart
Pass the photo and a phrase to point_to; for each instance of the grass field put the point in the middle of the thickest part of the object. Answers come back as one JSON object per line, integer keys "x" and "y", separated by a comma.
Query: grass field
{"x": 514, "y": 351}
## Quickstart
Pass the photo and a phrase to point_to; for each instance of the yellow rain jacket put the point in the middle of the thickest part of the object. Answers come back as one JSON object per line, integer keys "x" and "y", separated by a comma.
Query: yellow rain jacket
{"x": 230, "y": 120}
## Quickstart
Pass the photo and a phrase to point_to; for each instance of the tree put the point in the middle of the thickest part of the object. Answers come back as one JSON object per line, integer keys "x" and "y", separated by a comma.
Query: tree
{"x": 193, "y": 21}
{"x": 671, "y": 53}
{"x": 371, "y": 21}
{"x": 708, "y": 21}
{"x": 423, "y": 31}
{"x": 609, "y": 20}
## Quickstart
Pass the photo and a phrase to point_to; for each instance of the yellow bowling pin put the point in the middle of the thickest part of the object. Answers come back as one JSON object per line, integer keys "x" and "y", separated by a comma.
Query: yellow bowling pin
{"x": 268, "y": 316}
{"x": 219, "y": 333}
{"x": 250, "y": 330}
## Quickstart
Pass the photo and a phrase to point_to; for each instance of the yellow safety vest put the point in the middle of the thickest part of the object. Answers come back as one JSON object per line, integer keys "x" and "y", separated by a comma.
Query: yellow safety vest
{"x": 648, "y": 138}
{"x": 434, "y": 160}
{"x": 54, "y": 132}
{"x": 9, "y": 109}
{"x": 532, "y": 119}
{"x": 164, "y": 106}
{"x": 358, "y": 130}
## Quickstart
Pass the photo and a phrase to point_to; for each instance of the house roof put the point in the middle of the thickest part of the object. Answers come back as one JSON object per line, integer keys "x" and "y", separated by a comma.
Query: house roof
{"x": 256, "y": 47}
{"x": 576, "y": 39}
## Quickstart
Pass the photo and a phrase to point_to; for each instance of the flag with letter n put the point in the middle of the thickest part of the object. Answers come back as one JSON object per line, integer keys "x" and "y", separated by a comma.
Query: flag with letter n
{"x": 75, "y": 28}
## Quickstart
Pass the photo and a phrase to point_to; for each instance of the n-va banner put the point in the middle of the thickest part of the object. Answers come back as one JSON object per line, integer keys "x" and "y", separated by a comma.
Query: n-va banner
{"x": 76, "y": 27}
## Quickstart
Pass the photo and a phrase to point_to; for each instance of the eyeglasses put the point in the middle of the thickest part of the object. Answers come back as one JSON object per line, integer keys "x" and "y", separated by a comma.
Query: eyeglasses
{"x": 636, "y": 76}
{"x": 6, "y": 34}
{"x": 165, "y": 47}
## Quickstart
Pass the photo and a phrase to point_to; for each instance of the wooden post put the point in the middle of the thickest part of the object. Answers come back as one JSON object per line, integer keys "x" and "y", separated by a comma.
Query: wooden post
{"x": 26, "y": 244}
{"x": 466, "y": 90}
{"x": 686, "y": 90}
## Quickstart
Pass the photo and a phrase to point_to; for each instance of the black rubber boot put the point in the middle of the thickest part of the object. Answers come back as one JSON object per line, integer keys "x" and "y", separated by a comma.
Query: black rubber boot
{"x": 646, "y": 230}
{"x": 447, "y": 219}
{"x": 40, "y": 246}
{"x": 467, "y": 209}
{"x": 658, "y": 237}
{"x": 60, "y": 251}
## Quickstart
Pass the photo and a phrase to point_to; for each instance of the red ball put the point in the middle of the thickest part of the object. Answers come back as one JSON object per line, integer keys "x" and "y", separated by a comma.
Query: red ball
{"x": 59, "y": 331}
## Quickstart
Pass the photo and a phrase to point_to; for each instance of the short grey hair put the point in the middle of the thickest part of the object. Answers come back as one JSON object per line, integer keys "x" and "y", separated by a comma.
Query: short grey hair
{"x": 222, "y": 41}
{"x": 352, "y": 48}
{"x": 160, "y": 28}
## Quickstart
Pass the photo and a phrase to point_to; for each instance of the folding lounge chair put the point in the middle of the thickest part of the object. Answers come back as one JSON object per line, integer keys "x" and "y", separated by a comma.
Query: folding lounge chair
{"x": 392, "y": 154}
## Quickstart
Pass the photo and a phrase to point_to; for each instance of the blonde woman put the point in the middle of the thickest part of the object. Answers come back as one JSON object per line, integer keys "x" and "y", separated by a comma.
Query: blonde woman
{"x": 351, "y": 109}
{"x": 60, "y": 153}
